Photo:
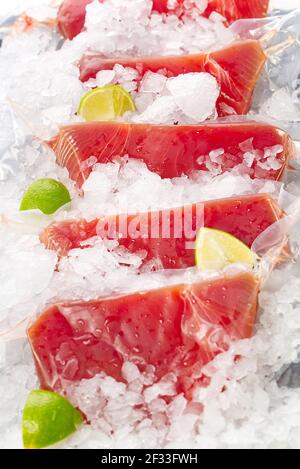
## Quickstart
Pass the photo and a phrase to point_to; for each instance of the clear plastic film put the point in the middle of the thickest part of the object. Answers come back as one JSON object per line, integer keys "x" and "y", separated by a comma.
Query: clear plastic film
{"x": 279, "y": 36}
{"x": 275, "y": 99}
{"x": 135, "y": 242}
{"x": 197, "y": 318}
{"x": 176, "y": 329}
{"x": 277, "y": 92}
{"x": 173, "y": 328}
{"x": 206, "y": 313}
{"x": 6, "y": 24}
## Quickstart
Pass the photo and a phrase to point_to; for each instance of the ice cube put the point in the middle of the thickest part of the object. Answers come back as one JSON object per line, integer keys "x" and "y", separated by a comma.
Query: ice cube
{"x": 195, "y": 94}
{"x": 130, "y": 372}
{"x": 162, "y": 111}
{"x": 201, "y": 5}
{"x": 104, "y": 77}
{"x": 26, "y": 270}
{"x": 153, "y": 83}
{"x": 281, "y": 106}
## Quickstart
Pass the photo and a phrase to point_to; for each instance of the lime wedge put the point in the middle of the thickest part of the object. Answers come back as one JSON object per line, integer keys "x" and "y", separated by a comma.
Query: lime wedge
{"x": 47, "y": 419}
{"x": 46, "y": 195}
{"x": 215, "y": 249}
{"x": 105, "y": 104}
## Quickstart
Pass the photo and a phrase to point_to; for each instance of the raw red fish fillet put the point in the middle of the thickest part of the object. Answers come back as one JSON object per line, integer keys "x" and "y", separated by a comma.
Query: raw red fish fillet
{"x": 236, "y": 69}
{"x": 177, "y": 329}
{"x": 244, "y": 217}
{"x": 171, "y": 151}
{"x": 232, "y": 10}
{"x": 71, "y": 15}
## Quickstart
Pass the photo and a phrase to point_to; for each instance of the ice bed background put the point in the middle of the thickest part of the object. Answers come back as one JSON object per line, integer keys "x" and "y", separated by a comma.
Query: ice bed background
{"x": 257, "y": 410}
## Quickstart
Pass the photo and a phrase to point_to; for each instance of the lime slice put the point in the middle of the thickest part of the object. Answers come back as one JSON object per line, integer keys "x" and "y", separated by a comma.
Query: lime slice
{"x": 46, "y": 195}
{"x": 215, "y": 249}
{"x": 47, "y": 419}
{"x": 105, "y": 104}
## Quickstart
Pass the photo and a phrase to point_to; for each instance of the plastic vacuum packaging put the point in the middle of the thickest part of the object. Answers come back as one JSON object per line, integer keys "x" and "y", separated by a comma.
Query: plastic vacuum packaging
{"x": 166, "y": 237}
{"x": 275, "y": 102}
{"x": 172, "y": 328}
{"x": 168, "y": 325}
{"x": 277, "y": 93}
{"x": 260, "y": 150}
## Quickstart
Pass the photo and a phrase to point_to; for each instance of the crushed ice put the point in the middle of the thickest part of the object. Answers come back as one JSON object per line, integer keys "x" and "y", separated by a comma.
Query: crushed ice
{"x": 251, "y": 410}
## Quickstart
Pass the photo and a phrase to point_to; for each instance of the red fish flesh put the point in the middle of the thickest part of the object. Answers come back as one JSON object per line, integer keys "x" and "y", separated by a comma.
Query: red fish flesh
{"x": 72, "y": 13}
{"x": 165, "y": 235}
{"x": 236, "y": 69}
{"x": 173, "y": 151}
{"x": 232, "y": 10}
{"x": 71, "y": 17}
{"x": 175, "y": 329}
